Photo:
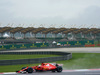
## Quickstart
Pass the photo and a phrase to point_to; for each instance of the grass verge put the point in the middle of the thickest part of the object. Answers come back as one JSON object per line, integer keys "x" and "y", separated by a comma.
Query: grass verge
{"x": 79, "y": 61}
{"x": 82, "y": 61}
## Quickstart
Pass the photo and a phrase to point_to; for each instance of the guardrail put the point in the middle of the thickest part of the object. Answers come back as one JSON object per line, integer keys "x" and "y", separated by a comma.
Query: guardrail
{"x": 64, "y": 56}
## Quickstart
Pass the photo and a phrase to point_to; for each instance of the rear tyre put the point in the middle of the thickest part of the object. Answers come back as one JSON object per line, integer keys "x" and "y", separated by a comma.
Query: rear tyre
{"x": 59, "y": 69}
{"x": 53, "y": 70}
{"x": 30, "y": 70}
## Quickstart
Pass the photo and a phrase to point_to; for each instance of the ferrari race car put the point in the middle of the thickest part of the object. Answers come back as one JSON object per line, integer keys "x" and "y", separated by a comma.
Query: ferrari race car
{"x": 43, "y": 67}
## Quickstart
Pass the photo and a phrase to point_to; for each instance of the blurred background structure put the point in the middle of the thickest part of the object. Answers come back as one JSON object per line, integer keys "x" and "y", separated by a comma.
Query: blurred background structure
{"x": 21, "y": 35}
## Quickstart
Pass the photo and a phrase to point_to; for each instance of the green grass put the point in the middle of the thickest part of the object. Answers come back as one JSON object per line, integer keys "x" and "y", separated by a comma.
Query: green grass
{"x": 82, "y": 61}
{"x": 13, "y": 57}
{"x": 78, "y": 61}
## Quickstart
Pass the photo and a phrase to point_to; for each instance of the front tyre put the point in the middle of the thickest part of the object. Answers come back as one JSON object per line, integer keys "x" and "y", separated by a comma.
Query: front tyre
{"x": 30, "y": 70}
{"x": 59, "y": 69}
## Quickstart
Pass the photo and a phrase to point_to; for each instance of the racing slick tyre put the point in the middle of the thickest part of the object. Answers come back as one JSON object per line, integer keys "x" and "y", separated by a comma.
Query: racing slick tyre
{"x": 59, "y": 69}
{"x": 30, "y": 70}
{"x": 53, "y": 70}
{"x": 23, "y": 68}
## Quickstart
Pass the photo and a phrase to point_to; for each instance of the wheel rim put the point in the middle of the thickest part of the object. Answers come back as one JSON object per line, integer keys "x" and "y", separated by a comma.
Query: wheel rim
{"x": 60, "y": 69}
{"x": 30, "y": 70}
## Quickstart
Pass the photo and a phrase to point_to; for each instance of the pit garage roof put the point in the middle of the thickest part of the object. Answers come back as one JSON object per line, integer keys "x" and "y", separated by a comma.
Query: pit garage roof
{"x": 59, "y": 30}
{"x": 69, "y": 30}
{"x": 49, "y": 30}
{"x": 5, "y": 29}
{"x": 26, "y": 30}
{"x": 17, "y": 29}
{"x": 37, "y": 30}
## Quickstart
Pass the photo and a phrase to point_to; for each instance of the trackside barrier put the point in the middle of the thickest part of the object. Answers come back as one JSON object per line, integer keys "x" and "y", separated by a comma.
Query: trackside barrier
{"x": 63, "y": 56}
{"x": 24, "y": 46}
{"x": 93, "y": 45}
{"x": 69, "y": 43}
{"x": 88, "y": 43}
{"x": 97, "y": 44}
{"x": 62, "y": 46}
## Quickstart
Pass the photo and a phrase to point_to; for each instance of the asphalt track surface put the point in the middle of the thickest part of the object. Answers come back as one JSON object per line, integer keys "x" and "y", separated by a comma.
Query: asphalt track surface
{"x": 72, "y": 50}
{"x": 69, "y": 73}
{"x": 62, "y": 73}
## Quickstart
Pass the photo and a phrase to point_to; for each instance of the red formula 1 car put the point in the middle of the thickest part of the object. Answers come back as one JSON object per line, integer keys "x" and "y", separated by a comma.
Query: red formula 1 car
{"x": 42, "y": 67}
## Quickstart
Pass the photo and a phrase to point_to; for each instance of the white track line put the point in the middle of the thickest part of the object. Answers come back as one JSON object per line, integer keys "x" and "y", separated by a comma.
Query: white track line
{"x": 9, "y": 73}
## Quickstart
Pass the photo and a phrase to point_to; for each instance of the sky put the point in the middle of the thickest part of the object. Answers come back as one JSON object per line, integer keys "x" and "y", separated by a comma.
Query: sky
{"x": 58, "y": 13}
